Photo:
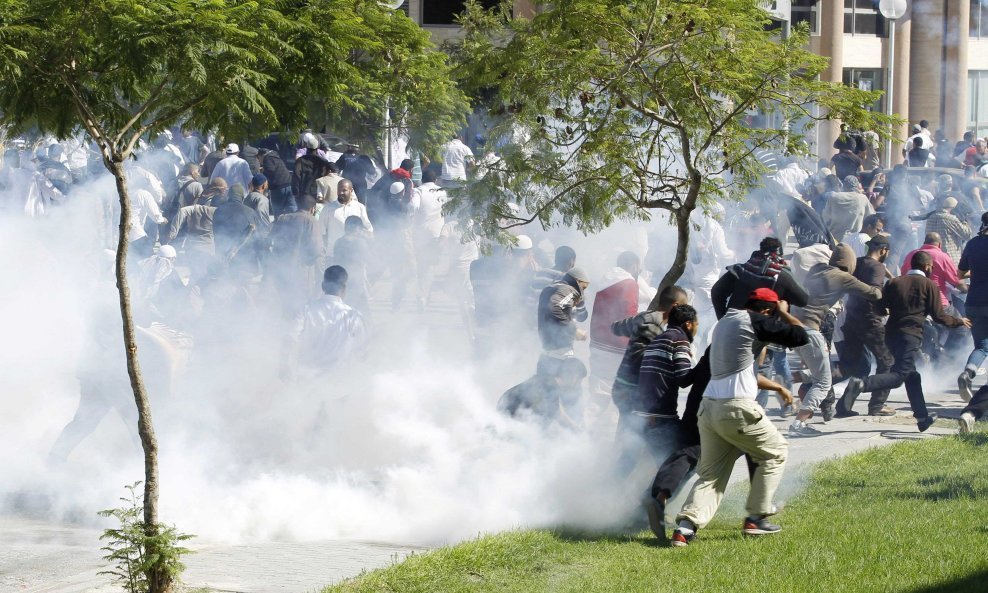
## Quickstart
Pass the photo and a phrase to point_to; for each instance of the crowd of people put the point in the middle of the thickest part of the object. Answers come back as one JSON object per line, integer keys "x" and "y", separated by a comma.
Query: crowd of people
{"x": 889, "y": 271}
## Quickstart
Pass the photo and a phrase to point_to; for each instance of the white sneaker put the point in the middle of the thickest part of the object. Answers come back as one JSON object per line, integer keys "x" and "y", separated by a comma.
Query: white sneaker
{"x": 802, "y": 429}
{"x": 966, "y": 422}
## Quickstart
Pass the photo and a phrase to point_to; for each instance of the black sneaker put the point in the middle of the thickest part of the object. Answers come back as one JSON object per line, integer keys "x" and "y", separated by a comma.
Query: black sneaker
{"x": 759, "y": 526}
{"x": 827, "y": 406}
{"x": 680, "y": 539}
{"x": 656, "y": 510}
{"x": 965, "y": 385}
{"x": 927, "y": 422}
{"x": 851, "y": 393}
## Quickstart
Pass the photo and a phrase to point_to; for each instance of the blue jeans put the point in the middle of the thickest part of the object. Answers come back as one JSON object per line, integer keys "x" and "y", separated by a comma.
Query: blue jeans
{"x": 978, "y": 314}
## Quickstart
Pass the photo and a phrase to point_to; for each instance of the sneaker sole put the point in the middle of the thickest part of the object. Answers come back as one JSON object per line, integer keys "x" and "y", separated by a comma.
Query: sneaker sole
{"x": 965, "y": 390}
{"x": 656, "y": 521}
{"x": 757, "y": 532}
{"x": 678, "y": 544}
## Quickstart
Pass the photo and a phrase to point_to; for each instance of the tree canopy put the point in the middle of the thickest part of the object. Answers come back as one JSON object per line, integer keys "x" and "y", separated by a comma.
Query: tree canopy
{"x": 625, "y": 107}
{"x": 129, "y": 67}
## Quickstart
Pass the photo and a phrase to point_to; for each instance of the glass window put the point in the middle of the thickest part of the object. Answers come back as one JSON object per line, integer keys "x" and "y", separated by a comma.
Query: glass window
{"x": 444, "y": 12}
{"x": 861, "y": 17}
{"x": 806, "y": 11}
{"x": 868, "y": 80}
{"x": 977, "y": 88}
{"x": 979, "y": 19}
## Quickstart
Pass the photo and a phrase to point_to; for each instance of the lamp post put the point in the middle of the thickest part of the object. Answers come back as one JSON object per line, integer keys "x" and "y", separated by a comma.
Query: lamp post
{"x": 892, "y": 10}
{"x": 392, "y": 5}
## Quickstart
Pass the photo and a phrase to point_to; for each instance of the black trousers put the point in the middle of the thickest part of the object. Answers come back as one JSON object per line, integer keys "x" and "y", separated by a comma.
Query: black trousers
{"x": 859, "y": 339}
{"x": 978, "y": 406}
{"x": 906, "y": 351}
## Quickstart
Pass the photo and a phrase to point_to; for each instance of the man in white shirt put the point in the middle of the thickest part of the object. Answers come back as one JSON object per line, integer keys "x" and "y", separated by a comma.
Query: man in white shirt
{"x": 428, "y": 201}
{"x": 457, "y": 158}
{"x": 326, "y": 185}
{"x": 328, "y": 331}
{"x": 142, "y": 206}
{"x": 334, "y": 215}
{"x": 233, "y": 169}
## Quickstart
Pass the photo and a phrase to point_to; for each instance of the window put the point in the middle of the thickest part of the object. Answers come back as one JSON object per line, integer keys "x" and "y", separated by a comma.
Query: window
{"x": 806, "y": 11}
{"x": 977, "y": 89}
{"x": 444, "y": 12}
{"x": 867, "y": 80}
{"x": 979, "y": 19}
{"x": 861, "y": 17}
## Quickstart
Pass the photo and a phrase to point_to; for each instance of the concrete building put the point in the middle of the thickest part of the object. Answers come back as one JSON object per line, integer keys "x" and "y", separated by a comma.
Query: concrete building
{"x": 940, "y": 63}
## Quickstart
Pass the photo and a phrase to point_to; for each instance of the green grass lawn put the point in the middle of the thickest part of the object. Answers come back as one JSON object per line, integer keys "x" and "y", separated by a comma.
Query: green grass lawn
{"x": 910, "y": 517}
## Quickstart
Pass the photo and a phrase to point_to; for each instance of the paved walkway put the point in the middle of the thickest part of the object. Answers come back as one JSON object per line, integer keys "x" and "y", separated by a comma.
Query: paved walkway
{"x": 40, "y": 557}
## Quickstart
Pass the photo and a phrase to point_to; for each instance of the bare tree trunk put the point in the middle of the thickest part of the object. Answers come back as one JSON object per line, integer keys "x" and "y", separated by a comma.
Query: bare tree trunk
{"x": 682, "y": 217}
{"x": 159, "y": 581}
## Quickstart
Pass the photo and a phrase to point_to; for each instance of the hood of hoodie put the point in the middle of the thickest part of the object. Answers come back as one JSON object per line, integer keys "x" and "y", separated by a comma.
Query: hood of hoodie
{"x": 844, "y": 258}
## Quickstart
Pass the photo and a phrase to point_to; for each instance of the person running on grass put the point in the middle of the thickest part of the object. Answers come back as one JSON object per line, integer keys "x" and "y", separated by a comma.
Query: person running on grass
{"x": 732, "y": 423}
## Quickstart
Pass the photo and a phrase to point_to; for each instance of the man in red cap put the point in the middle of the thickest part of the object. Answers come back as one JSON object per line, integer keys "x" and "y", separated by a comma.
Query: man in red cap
{"x": 732, "y": 423}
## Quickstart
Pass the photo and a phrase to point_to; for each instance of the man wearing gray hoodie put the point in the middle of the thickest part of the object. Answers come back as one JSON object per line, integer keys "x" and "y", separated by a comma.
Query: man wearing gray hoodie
{"x": 826, "y": 284}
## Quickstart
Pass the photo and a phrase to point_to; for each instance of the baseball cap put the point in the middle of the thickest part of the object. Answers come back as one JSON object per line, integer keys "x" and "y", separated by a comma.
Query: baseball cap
{"x": 764, "y": 294}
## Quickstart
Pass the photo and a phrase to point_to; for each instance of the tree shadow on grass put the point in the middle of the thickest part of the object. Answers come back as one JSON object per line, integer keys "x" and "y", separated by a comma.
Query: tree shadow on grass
{"x": 641, "y": 538}
{"x": 971, "y": 583}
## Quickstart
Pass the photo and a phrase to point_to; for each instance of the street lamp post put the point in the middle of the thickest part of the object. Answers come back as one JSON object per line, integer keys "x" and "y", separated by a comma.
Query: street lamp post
{"x": 892, "y": 10}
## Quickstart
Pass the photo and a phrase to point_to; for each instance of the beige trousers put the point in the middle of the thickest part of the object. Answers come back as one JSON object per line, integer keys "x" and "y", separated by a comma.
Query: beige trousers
{"x": 729, "y": 429}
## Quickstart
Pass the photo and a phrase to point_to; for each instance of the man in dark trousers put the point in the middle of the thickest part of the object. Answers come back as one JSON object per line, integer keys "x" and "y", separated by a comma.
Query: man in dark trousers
{"x": 908, "y": 300}
{"x": 864, "y": 330}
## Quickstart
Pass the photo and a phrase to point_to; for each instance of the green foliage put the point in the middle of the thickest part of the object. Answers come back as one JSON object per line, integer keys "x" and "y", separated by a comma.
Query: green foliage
{"x": 617, "y": 108}
{"x": 124, "y": 68}
{"x": 908, "y": 517}
{"x": 140, "y": 555}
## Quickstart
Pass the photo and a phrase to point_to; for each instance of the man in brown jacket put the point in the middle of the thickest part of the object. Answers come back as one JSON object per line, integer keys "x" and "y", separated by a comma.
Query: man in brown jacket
{"x": 908, "y": 299}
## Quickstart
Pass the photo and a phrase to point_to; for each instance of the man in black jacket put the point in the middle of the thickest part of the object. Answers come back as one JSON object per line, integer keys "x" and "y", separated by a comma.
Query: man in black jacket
{"x": 279, "y": 183}
{"x": 764, "y": 269}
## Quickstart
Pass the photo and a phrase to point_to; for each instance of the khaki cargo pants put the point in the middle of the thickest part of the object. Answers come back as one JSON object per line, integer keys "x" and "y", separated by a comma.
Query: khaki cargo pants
{"x": 728, "y": 429}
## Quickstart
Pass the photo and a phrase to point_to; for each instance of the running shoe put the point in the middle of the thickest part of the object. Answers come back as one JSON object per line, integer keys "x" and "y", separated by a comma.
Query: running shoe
{"x": 964, "y": 385}
{"x": 925, "y": 423}
{"x": 802, "y": 429}
{"x": 680, "y": 539}
{"x": 656, "y": 510}
{"x": 966, "y": 422}
{"x": 759, "y": 526}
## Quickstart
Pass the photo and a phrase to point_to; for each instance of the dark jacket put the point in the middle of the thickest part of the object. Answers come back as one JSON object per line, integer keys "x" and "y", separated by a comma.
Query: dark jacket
{"x": 308, "y": 168}
{"x": 560, "y": 306}
{"x": 232, "y": 222}
{"x": 665, "y": 368}
{"x": 909, "y": 299}
{"x": 641, "y": 330}
{"x": 732, "y": 289}
{"x": 863, "y": 313}
{"x": 275, "y": 170}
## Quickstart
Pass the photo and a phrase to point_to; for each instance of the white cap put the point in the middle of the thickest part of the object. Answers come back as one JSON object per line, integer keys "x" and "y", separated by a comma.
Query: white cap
{"x": 397, "y": 187}
{"x": 232, "y": 148}
{"x": 523, "y": 242}
{"x": 167, "y": 251}
{"x": 310, "y": 141}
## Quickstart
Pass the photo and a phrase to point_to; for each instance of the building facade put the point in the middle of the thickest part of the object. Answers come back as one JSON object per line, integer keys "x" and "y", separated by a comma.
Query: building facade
{"x": 940, "y": 64}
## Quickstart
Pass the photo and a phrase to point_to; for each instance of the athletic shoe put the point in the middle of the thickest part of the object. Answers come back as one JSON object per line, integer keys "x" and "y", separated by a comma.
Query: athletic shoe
{"x": 827, "y": 407}
{"x": 802, "y": 429}
{"x": 843, "y": 412}
{"x": 966, "y": 422}
{"x": 884, "y": 411}
{"x": 787, "y": 411}
{"x": 927, "y": 422}
{"x": 851, "y": 392}
{"x": 964, "y": 385}
{"x": 680, "y": 539}
{"x": 656, "y": 510}
{"x": 759, "y": 526}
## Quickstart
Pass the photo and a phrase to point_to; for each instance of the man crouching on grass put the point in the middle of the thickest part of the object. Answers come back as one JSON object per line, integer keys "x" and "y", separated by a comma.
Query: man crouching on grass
{"x": 732, "y": 423}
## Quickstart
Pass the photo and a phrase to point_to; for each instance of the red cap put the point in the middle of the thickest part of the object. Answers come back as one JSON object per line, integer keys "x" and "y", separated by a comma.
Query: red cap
{"x": 764, "y": 294}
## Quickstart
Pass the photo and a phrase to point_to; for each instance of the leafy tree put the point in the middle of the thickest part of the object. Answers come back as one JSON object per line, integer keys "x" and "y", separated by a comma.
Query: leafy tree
{"x": 122, "y": 70}
{"x": 624, "y": 108}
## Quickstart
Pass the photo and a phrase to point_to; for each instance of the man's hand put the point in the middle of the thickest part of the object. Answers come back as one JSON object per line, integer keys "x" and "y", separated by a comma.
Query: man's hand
{"x": 783, "y": 306}
{"x": 785, "y": 395}
{"x": 962, "y": 288}
{"x": 581, "y": 335}
{"x": 965, "y": 322}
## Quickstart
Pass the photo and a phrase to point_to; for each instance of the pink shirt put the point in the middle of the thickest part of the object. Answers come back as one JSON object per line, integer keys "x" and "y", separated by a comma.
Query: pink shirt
{"x": 944, "y": 270}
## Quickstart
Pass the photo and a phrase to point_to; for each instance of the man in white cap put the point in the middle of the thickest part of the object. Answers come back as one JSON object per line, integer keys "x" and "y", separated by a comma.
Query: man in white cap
{"x": 232, "y": 169}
